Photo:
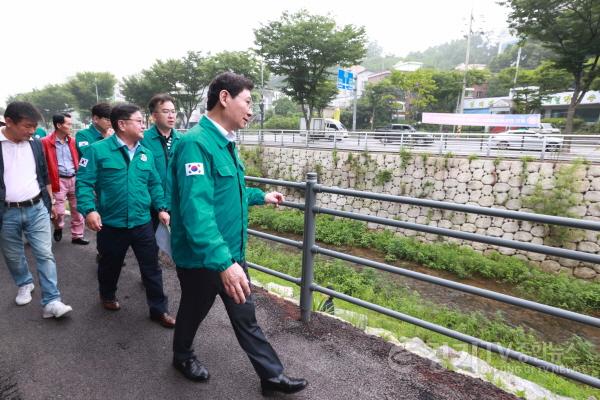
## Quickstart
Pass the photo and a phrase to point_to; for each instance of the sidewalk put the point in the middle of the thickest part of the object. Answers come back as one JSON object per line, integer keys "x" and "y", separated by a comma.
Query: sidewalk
{"x": 97, "y": 354}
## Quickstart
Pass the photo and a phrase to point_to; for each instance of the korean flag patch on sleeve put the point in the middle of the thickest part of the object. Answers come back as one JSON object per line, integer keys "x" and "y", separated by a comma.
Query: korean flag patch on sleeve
{"x": 83, "y": 162}
{"x": 194, "y": 168}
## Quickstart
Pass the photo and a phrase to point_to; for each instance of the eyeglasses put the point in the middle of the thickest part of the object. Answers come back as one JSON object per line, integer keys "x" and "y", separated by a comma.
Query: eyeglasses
{"x": 138, "y": 121}
{"x": 167, "y": 112}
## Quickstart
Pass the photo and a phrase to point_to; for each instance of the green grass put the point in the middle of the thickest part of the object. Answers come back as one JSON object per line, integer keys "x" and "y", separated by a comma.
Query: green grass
{"x": 523, "y": 278}
{"x": 376, "y": 287}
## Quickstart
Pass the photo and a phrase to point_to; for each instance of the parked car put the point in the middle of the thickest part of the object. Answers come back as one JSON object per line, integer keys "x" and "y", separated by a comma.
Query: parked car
{"x": 516, "y": 139}
{"x": 402, "y": 133}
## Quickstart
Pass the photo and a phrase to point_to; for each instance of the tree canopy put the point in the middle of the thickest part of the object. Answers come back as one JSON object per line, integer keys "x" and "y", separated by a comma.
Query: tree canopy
{"x": 571, "y": 30}
{"x": 89, "y": 88}
{"x": 304, "y": 48}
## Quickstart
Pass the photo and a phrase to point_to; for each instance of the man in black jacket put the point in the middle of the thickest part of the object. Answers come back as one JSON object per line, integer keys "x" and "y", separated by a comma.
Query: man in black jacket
{"x": 25, "y": 206}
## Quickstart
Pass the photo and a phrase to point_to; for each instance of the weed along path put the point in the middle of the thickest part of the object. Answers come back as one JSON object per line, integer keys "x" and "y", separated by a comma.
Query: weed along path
{"x": 546, "y": 327}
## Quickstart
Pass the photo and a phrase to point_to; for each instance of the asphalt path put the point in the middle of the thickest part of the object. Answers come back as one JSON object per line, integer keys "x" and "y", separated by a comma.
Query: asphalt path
{"x": 98, "y": 354}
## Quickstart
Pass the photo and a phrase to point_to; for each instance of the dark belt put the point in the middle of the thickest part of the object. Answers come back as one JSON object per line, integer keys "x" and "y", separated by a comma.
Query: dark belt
{"x": 66, "y": 176}
{"x": 24, "y": 203}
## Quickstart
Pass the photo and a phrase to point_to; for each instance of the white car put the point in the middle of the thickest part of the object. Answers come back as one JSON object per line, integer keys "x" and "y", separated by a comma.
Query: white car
{"x": 526, "y": 140}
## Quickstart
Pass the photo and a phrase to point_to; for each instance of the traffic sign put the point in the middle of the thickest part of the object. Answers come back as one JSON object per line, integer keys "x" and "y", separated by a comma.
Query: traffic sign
{"x": 345, "y": 80}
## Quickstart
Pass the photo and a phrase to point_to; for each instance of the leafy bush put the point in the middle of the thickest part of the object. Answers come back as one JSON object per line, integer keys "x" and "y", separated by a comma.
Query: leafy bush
{"x": 283, "y": 122}
{"x": 376, "y": 287}
{"x": 527, "y": 280}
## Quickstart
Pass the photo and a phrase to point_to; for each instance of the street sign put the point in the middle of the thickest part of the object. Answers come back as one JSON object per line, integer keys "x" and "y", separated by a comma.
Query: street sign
{"x": 345, "y": 80}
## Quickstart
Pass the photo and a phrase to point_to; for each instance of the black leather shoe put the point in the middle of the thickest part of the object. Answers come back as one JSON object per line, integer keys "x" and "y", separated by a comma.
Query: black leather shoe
{"x": 192, "y": 369}
{"x": 80, "y": 241}
{"x": 57, "y": 235}
{"x": 283, "y": 384}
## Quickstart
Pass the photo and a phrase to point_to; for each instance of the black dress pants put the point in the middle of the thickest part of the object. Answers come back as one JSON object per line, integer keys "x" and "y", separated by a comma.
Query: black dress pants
{"x": 112, "y": 246}
{"x": 199, "y": 288}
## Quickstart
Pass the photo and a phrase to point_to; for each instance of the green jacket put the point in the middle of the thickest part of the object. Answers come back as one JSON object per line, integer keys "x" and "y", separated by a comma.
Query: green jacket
{"x": 86, "y": 137}
{"x": 209, "y": 200}
{"x": 157, "y": 144}
{"x": 122, "y": 191}
{"x": 40, "y": 132}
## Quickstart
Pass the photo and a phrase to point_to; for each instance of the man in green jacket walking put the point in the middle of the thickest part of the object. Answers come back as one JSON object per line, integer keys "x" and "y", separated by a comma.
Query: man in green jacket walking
{"x": 161, "y": 138}
{"x": 209, "y": 203}
{"x": 117, "y": 184}
{"x": 99, "y": 129}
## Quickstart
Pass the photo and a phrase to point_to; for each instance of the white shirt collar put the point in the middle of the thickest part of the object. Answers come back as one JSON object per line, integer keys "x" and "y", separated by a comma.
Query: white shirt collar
{"x": 228, "y": 135}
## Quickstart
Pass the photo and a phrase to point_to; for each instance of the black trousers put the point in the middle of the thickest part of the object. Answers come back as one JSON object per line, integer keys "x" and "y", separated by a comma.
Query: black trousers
{"x": 155, "y": 220}
{"x": 112, "y": 246}
{"x": 199, "y": 288}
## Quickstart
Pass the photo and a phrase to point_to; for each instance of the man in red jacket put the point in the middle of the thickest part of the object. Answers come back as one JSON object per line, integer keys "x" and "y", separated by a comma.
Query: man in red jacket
{"x": 62, "y": 160}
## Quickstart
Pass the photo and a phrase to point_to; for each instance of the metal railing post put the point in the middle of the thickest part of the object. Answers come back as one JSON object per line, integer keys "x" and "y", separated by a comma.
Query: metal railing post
{"x": 308, "y": 242}
{"x": 543, "y": 152}
{"x": 489, "y": 146}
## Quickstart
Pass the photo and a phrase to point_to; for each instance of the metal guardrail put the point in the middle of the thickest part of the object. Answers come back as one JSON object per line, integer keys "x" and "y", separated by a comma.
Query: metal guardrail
{"x": 514, "y": 145}
{"x": 310, "y": 249}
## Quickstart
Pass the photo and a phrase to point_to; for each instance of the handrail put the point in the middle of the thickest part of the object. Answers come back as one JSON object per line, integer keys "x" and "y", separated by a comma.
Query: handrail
{"x": 309, "y": 249}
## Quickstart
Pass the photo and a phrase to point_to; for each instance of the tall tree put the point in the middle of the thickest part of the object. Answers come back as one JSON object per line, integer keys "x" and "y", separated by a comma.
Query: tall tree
{"x": 532, "y": 55}
{"x": 418, "y": 88}
{"x": 88, "y": 88}
{"x": 50, "y": 100}
{"x": 192, "y": 81}
{"x": 285, "y": 106}
{"x": 449, "y": 85}
{"x": 240, "y": 62}
{"x": 304, "y": 48}
{"x": 571, "y": 29}
{"x": 138, "y": 89}
{"x": 382, "y": 102}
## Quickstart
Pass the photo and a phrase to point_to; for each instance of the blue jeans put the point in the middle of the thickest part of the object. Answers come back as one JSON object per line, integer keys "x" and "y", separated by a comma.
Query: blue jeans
{"x": 34, "y": 223}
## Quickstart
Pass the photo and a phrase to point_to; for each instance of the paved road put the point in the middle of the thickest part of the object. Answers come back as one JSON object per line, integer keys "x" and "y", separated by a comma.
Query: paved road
{"x": 97, "y": 354}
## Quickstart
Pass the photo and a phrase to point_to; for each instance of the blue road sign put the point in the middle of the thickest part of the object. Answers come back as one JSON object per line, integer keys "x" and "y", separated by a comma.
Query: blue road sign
{"x": 345, "y": 80}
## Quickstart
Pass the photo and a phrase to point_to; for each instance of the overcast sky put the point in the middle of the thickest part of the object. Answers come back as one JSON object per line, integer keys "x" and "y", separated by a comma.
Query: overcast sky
{"x": 47, "y": 41}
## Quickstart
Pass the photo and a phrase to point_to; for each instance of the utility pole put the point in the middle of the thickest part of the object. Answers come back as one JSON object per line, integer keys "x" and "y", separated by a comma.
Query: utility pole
{"x": 517, "y": 66}
{"x": 96, "y": 84}
{"x": 464, "y": 84}
{"x": 262, "y": 97}
{"x": 355, "y": 101}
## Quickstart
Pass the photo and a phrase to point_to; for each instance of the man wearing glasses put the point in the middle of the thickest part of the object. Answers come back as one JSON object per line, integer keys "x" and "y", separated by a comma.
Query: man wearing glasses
{"x": 99, "y": 129}
{"x": 161, "y": 138}
{"x": 117, "y": 184}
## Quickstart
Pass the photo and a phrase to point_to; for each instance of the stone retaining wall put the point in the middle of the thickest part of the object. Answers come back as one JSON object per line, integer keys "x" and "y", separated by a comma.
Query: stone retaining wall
{"x": 488, "y": 183}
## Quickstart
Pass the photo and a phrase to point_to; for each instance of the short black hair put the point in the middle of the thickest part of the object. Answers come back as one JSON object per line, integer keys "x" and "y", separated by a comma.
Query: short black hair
{"x": 159, "y": 99}
{"x": 19, "y": 110}
{"x": 101, "y": 110}
{"x": 122, "y": 112}
{"x": 229, "y": 81}
{"x": 59, "y": 119}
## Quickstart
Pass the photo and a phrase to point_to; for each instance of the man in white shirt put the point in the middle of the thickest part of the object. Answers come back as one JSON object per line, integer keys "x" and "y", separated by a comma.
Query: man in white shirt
{"x": 25, "y": 203}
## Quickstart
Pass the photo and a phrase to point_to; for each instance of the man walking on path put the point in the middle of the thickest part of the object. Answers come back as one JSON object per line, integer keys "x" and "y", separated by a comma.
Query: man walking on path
{"x": 25, "y": 206}
{"x": 117, "y": 184}
{"x": 62, "y": 160}
{"x": 210, "y": 216}
{"x": 99, "y": 129}
{"x": 161, "y": 138}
